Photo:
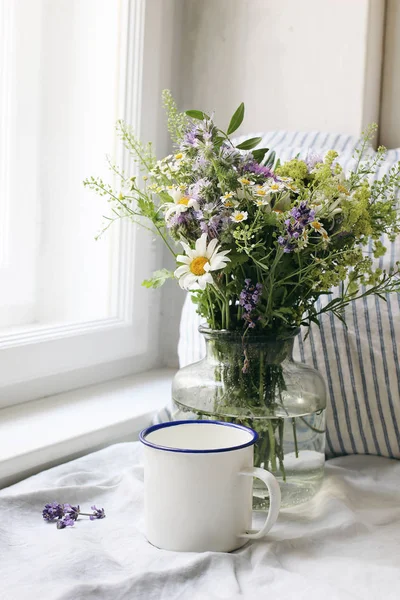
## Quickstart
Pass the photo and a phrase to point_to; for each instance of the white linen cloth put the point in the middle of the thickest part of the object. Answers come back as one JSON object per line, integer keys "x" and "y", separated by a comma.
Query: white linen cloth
{"x": 343, "y": 544}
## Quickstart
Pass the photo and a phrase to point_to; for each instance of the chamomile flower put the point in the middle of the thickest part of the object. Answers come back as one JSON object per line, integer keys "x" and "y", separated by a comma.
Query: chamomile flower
{"x": 228, "y": 200}
{"x": 292, "y": 187}
{"x": 181, "y": 203}
{"x": 198, "y": 263}
{"x": 262, "y": 201}
{"x": 275, "y": 186}
{"x": 259, "y": 190}
{"x": 245, "y": 181}
{"x": 238, "y": 216}
{"x": 343, "y": 190}
{"x": 227, "y": 196}
{"x": 317, "y": 226}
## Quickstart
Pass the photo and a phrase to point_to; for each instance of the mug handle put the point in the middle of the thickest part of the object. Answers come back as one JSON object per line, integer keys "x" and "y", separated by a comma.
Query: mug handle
{"x": 274, "y": 500}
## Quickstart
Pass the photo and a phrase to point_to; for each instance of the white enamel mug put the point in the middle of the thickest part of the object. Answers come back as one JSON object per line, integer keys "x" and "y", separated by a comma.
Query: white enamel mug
{"x": 198, "y": 482}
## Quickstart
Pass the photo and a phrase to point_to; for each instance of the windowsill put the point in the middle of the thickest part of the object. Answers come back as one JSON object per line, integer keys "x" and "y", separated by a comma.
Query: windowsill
{"x": 52, "y": 430}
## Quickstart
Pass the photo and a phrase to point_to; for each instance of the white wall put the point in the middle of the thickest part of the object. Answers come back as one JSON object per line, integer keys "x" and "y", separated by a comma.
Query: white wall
{"x": 390, "y": 104}
{"x": 296, "y": 65}
{"x": 166, "y": 19}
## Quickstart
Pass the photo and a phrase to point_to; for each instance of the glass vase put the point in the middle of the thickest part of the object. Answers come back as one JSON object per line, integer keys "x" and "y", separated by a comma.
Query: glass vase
{"x": 253, "y": 380}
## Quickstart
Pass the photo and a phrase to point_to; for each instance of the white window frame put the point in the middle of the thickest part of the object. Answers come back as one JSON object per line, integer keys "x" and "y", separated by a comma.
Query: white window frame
{"x": 44, "y": 360}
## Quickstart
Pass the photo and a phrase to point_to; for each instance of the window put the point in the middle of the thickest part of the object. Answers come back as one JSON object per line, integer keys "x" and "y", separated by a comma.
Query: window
{"x": 72, "y": 311}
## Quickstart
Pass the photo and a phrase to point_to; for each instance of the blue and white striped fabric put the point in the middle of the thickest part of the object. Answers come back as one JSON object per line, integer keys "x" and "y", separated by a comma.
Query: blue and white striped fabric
{"x": 361, "y": 363}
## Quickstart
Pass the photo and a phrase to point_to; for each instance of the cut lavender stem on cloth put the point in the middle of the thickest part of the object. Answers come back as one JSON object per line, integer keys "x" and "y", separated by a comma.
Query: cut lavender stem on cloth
{"x": 66, "y": 514}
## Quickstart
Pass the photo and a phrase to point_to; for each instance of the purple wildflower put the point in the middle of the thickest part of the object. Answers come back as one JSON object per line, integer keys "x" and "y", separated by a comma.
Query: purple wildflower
{"x": 216, "y": 225}
{"x": 249, "y": 298}
{"x": 313, "y": 159}
{"x": 180, "y": 219}
{"x": 300, "y": 217}
{"x": 196, "y": 189}
{"x": 254, "y": 167}
{"x": 98, "y": 513}
{"x": 200, "y": 163}
{"x": 53, "y": 511}
{"x": 190, "y": 139}
{"x": 302, "y": 214}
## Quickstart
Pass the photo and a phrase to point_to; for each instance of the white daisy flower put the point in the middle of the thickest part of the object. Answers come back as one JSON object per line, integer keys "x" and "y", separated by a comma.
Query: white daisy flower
{"x": 229, "y": 203}
{"x": 317, "y": 226}
{"x": 259, "y": 190}
{"x": 261, "y": 201}
{"x": 228, "y": 200}
{"x": 292, "y": 187}
{"x": 180, "y": 203}
{"x": 245, "y": 181}
{"x": 195, "y": 272}
{"x": 275, "y": 186}
{"x": 238, "y": 216}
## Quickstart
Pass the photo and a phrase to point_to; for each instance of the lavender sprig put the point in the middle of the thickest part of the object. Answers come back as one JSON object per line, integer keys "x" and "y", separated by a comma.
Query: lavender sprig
{"x": 249, "y": 298}
{"x": 66, "y": 514}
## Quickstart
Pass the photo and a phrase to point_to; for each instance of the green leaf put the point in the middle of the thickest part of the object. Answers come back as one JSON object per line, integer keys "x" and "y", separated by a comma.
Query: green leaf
{"x": 259, "y": 154}
{"x": 236, "y": 120}
{"x": 249, "y": 144}
{"x": 271, "y": 159}
{"x": 158, "y": 279}
{"x": 197, "y": 114}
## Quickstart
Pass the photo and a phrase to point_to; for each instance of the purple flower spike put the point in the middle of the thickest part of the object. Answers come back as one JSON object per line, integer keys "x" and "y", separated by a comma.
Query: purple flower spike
{"x": 66, "y": 522}
{"x": 98, "y": 513}
{"x": 53, "y": 511}
{"x": 249, "y": 298}
{"x": 300, "y": 217}
{"x": 72, "y": 512}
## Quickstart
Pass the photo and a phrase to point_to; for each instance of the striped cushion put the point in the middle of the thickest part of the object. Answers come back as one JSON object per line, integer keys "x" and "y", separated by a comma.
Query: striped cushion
{"x": 361, "y": 363}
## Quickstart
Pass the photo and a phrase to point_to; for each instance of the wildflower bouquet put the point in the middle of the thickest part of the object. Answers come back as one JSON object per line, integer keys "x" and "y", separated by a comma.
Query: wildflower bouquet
{"x": 257, "y": 242}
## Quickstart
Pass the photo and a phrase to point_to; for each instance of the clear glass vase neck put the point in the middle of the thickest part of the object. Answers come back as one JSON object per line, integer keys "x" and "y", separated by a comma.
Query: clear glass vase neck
{"x": 223, "y": 345}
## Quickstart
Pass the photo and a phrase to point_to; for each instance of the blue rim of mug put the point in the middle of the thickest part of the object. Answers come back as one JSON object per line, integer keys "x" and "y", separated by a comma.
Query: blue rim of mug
{"x": 148, "y": 430}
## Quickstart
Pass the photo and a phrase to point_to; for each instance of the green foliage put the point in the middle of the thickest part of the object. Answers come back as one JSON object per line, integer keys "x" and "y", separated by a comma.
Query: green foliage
{"x": 236, "y": 120}
{"x": 249, "y": 144}
{"x": 196, "y": 114}
{"x": 177, "y": 122}
{"x": 142, "y": 154}
{"x": 296, "y": 169}
{"x": 259, "y": 154}
{"x": 158, "y": 279}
